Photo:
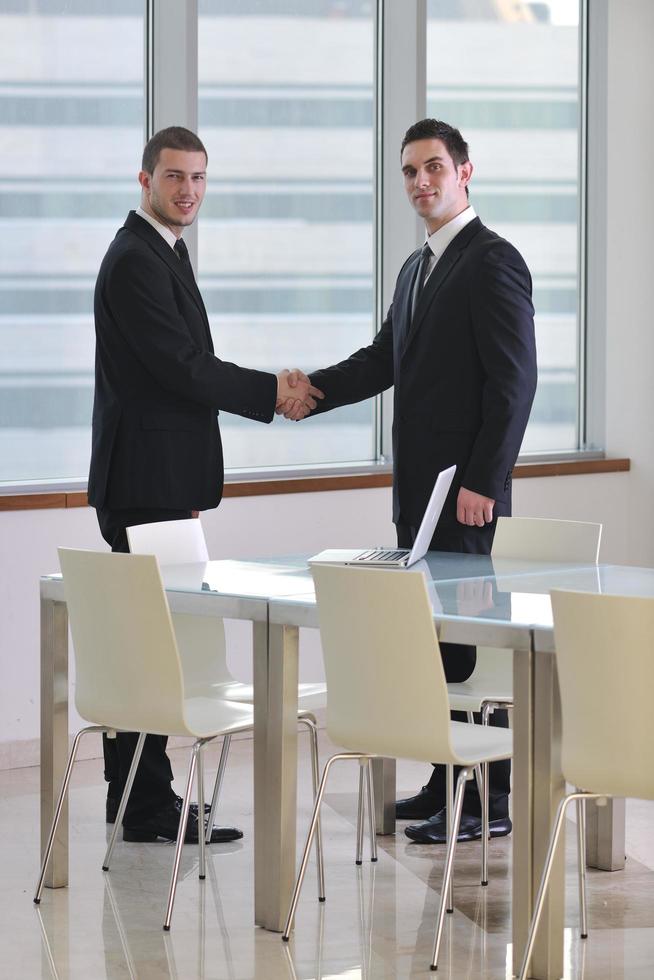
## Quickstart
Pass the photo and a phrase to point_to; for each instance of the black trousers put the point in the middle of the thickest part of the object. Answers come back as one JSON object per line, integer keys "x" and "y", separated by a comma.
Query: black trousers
{"x": 459, "y": 662}
{"x": 151, "y": 788}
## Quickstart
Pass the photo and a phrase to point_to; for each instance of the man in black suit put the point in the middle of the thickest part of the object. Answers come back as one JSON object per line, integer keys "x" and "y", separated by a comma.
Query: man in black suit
{"x": 458, "y": 346}
{"x": 156, "y": 452}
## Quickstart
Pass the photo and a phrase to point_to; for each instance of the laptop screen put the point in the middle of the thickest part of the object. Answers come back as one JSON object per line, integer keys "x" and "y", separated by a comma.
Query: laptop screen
{"x": 433, "y": 512}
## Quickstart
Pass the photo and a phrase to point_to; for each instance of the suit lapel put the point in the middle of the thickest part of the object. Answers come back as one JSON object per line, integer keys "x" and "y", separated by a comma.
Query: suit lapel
{"x": 150, "y": 235}
{"x": 444, "y": 266}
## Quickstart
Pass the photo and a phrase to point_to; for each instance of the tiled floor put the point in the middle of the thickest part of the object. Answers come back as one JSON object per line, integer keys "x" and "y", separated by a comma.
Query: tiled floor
{"x": 377, "y": 923}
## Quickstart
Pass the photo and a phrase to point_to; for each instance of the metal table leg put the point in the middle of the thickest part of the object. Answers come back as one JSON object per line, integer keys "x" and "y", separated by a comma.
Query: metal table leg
{"x": 522, "y": 802}
{"x": 275, "y": 771}
{"x": 54, "y": 732}
{"x": 605, "y": 835}
{"x": 548, "y": 789}
{"x": 538, "y": 788}
{"x": 383, "y": 776}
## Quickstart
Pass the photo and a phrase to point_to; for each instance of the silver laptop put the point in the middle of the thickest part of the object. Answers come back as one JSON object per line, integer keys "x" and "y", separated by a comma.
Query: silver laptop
{"x": 396, "y": 557}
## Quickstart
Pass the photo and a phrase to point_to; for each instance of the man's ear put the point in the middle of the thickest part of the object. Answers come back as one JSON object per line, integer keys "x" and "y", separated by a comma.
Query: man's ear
{"x": 465, "y": 173}
{"x": 145, "y": 179}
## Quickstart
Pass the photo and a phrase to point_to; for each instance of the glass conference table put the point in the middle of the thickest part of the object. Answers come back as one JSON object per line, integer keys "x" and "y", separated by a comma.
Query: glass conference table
{"x": 500, "y": 603}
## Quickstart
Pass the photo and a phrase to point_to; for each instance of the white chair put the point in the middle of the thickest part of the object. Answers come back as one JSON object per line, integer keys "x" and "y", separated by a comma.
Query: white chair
{"x": 491, "y": 684}
{"x": 182, "y": 542}
{"x": 129, "y": 677}
{"x": 369, "y": 618}
{"x": 605, "y": 664}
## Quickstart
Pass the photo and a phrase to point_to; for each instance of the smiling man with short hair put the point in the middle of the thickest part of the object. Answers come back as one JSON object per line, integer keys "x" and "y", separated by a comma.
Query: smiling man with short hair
{"x": 156, "y": 453}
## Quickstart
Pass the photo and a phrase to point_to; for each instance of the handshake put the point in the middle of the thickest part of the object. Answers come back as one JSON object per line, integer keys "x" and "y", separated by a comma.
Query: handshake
{"x": 296, "y": 396}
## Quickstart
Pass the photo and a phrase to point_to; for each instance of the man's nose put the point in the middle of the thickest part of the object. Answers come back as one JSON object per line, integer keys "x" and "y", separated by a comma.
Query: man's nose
{"x": 187, "y": 186}
{"x": 422, "y": 178}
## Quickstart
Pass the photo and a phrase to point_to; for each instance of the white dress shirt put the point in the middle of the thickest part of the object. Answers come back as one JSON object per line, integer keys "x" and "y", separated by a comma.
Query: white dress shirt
{"x": 439, "y": 241}
{"x": 165, "y": 233}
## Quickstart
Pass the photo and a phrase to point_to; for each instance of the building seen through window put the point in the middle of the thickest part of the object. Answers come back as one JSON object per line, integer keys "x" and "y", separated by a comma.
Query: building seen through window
{"x": 285, "y": 234}
{"x": 507, "y": 75}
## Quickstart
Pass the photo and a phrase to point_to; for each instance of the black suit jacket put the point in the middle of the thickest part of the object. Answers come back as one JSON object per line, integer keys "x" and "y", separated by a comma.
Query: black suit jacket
{"x": 158, "y": 385}
{"x": 464, "y": 371}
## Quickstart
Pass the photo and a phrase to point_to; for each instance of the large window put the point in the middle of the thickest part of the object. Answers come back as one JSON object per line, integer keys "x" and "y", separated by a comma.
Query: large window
{"x": 285, "y": 234}
{"x": 507, "y": 74}
{"x": 71, "y": 134}
{"x": 286, "y": 237}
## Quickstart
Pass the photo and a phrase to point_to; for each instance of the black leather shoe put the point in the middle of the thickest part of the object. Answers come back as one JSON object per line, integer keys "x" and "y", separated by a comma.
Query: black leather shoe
{"x": 419, "y": 807}
{"x": 434, "y": 830}
{"x": 164, "y": 824}
{"x": 113, "y": 804}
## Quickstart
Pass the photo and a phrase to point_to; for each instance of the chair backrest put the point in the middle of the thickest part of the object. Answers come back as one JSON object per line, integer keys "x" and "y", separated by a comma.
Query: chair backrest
{"x": 173, "y": 542}
{"x": 605, "y": 663}
{"x": 542, "y": 539}
{"x": 127, "y": 667}
{"x": 539, "y": 539}
{"x": 386, "y": 689}
{"x": 201, "y": 639}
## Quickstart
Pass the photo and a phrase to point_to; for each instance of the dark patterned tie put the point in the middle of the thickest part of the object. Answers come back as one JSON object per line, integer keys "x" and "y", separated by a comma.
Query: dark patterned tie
{"x": 181, "y": 252}
{"x": 425, "y": 258}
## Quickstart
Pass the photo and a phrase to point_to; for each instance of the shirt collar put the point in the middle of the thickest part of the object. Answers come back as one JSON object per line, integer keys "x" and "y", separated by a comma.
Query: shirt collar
{"x": 439, "y": 241}
{"x": 165, "y": 233}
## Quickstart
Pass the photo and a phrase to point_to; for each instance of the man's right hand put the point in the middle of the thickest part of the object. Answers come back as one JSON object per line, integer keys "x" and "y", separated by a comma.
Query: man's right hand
{"x": 296, "y": 396}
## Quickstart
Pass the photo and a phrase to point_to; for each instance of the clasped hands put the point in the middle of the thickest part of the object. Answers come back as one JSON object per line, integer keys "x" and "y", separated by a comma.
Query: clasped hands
{"x": 296, "y": 396}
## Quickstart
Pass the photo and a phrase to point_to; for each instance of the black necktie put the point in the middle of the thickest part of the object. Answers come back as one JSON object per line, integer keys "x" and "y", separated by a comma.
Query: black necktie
{"x": 181, "y": 252}
{"x": 425, "y": 258}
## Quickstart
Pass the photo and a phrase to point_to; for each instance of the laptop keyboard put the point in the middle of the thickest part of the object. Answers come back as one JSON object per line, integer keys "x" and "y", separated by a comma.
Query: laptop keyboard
{"x": 381, "y": 555}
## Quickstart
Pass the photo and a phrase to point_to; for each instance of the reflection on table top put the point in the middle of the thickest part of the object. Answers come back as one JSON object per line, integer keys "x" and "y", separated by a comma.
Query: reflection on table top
{"x": 511, "y": 592}
{"x": 503, "y": 592}
{"x": 255, "y": 579}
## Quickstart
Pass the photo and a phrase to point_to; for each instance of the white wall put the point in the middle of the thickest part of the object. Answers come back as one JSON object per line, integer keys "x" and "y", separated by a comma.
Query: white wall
{"x": 306, "y": 522}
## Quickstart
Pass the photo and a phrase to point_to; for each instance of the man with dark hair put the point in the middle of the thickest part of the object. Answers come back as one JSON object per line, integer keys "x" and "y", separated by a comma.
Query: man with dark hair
{"x": 458, "y": 347}
{"x": 156, "y": 453}
{"x": 171, "y": 138}
{"x": 435, "y": 129}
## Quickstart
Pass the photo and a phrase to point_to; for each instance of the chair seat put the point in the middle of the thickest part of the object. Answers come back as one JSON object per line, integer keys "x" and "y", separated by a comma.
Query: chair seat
{"x": 309, "y": 695}
{"x": 208, "y": 715}
{"x": 473, "y": 744}
{"x": 471, "y": 694}
{"x": 205, "y": 716}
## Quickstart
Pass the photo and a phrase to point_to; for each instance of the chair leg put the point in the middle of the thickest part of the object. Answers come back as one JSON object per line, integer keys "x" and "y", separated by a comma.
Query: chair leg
{"x": 581, "y": 851}
{"x": 449, "y": 792}
{"x": 310, "y": 724}
{"x": 309, "y": 841}
{"x": 181, "y": 833}
{"x": 370, "y": 792}
{"x": 202, "y": 871}
{"x": 485, "y": 808}
{"x": 485, "y": 824}
{"x": 449, "y": 862}
{"x": 544, "y": 881}
{"x": 118, "y": 822}
{"x": 470, "y": 716}
{"x": 224, "y": 752}
{"x": 359, "y": 857}
{"x": 60, "y": 804}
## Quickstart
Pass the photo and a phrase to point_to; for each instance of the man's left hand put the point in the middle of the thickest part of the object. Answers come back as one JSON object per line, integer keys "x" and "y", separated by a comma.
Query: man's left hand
{"x": 473, "y": 509}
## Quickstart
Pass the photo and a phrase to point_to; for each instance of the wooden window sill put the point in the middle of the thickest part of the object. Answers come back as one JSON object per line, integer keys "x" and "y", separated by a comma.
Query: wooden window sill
{"x": 319, "y": 484}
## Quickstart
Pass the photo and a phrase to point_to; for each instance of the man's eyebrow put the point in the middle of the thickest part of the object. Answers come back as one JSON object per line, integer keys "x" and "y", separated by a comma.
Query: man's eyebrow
{"x": 194, "y": 173}
{"x": 410, "y": 166}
